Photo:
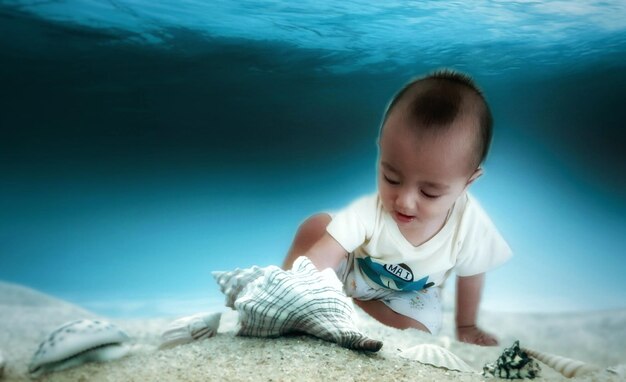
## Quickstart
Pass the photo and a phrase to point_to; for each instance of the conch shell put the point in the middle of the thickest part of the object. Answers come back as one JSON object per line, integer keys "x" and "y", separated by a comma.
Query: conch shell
{"x": 272, "y": 302}
{"x": 566, "y": 366}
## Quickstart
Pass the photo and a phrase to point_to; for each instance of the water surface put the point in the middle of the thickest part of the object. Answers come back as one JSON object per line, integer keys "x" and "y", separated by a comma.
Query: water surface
{"x": 146, "y": 144}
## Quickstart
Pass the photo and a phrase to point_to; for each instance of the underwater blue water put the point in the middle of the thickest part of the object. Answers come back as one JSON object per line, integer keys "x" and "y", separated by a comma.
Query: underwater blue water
{"x": 146, "y": 144}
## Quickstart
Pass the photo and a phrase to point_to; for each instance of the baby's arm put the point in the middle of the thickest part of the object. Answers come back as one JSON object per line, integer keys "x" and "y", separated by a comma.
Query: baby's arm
{"x": 326, "y": 253}
{"x": 313, "y": 241}
{"x": 468, "y": 293}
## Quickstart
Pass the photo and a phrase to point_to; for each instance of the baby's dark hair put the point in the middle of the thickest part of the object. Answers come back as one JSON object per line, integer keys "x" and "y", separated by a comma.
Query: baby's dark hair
{"x": 439, "y": 98}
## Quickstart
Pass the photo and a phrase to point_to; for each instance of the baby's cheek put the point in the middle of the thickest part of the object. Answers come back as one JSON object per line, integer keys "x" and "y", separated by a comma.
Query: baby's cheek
{"x": 433, "y": 209}
{"x": 387, "y": 202}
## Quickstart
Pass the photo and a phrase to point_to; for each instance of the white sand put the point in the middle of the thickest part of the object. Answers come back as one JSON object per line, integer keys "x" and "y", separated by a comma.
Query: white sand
{"x": 27, "y": 316}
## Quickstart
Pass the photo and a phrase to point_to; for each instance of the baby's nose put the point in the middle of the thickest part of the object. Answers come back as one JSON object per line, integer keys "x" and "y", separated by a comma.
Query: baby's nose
{"x": 407, "y": 201}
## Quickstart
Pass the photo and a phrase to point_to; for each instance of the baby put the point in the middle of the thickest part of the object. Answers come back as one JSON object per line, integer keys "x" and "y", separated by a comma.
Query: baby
{"x": 394, "y": 249}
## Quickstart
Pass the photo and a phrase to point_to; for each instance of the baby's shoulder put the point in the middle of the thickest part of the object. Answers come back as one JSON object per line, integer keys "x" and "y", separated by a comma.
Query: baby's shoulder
{"x": 366, "y": 203}
{"x": 471, "y": 213}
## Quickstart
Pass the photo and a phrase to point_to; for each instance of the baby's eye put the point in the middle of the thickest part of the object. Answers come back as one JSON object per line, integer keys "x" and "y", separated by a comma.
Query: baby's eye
{"x": 390, "y": 181}
{"x": 430, "y": 196}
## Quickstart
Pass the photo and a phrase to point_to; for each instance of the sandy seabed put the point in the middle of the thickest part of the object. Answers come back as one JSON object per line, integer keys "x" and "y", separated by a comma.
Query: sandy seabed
{"x": 27, "y": 316}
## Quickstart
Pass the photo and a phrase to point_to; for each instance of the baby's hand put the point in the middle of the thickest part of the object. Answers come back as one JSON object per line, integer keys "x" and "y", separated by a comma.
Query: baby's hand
{"x": 474, "y": 335}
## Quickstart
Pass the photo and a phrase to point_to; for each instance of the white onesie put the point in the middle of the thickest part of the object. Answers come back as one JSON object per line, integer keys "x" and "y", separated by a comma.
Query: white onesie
{"x": 384, "y": 265}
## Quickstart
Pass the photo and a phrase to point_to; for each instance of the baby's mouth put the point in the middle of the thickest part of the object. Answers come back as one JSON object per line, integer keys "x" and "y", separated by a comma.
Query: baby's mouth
{"x": 403, "y": 218}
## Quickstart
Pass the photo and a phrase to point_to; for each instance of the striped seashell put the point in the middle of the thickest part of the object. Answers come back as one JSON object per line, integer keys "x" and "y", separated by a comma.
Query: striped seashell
{"x": 436, "y": 356}
{"x": 566, "y": 366}
{"x": 231, "y": 283}
{"x": 191, "y": 328}
{"x": 301, "y": 300}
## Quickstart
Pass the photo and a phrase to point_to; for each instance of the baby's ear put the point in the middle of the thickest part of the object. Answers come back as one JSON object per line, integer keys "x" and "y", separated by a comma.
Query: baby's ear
{"x": 477, "y": 173}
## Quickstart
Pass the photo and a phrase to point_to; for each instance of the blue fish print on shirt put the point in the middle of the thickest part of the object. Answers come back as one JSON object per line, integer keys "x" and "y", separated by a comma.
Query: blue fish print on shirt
{"x": 392, "y": 276}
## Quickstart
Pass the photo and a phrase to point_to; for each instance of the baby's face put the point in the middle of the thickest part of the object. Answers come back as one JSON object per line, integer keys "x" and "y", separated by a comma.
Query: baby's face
{"x": 420, "y": 176}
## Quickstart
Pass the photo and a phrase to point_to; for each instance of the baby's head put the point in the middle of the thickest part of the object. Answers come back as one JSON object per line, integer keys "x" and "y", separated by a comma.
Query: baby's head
{"x": 434, "y": 136}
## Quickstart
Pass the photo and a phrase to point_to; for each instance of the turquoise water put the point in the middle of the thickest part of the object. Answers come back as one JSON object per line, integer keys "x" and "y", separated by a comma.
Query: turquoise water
{"x": 145, "y": 144}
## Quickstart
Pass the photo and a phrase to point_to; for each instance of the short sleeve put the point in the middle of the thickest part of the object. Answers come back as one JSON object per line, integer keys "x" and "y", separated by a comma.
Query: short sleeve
{"x": 353, "y": 225}
{"x": 482, "y": 247}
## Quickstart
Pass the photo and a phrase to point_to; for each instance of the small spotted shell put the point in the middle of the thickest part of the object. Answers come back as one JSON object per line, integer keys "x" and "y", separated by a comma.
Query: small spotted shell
{"x": 78, "y": 342}
{"x": 436, "y": 356}
{"x": 566, "y": 366}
